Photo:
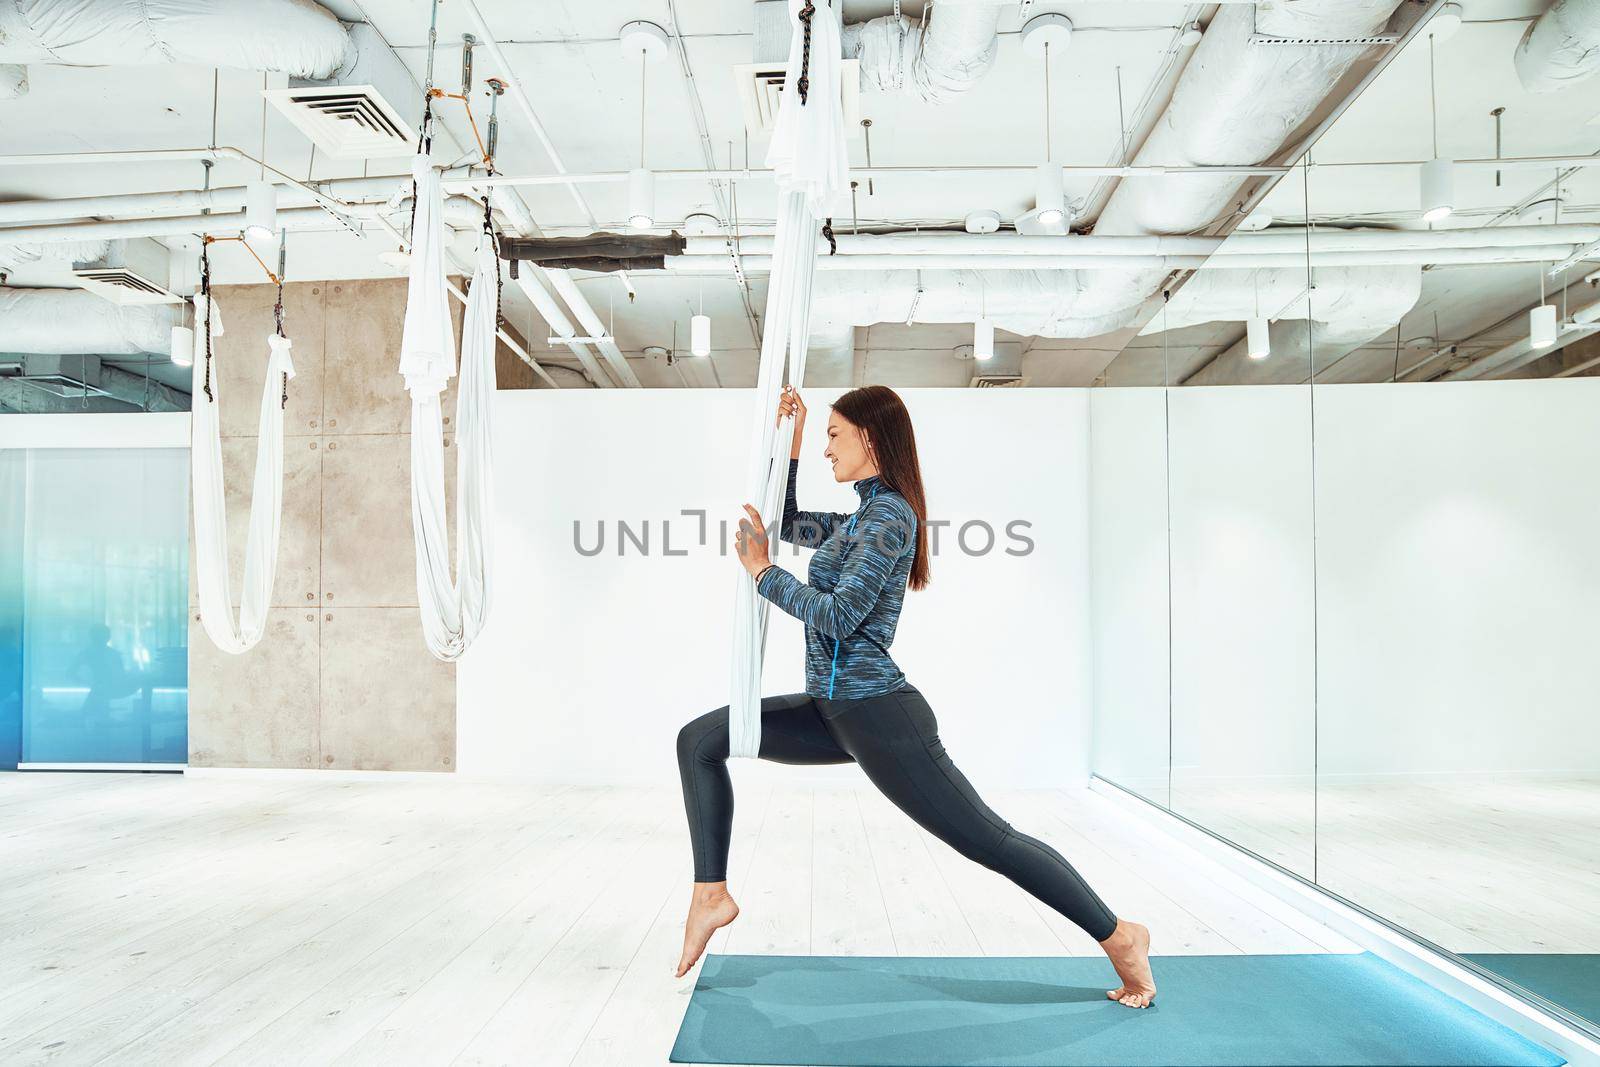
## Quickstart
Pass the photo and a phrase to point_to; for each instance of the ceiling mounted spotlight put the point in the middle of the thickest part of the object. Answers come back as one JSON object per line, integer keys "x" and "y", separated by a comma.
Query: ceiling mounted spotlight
{"x": 1258, "y": 338}
{"x": 1033, "y": 224}
{"x": 700, "y": 328}
{"x": 983, "y": 339}
{"x": 984, "y": 221}
{"x": 1437, "y": 176}
{"x": 182, "y": 346}
{"x": 644, "y": 39}
{"x": 1049, "y": 196}
{"x": 1438, "y": 180}
{"x": 1542, "y": 326}
{"x": 641, "y": 199}
{"x": 260, "y": 210}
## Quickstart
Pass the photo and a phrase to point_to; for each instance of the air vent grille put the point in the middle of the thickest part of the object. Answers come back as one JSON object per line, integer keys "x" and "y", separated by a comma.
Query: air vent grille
{"x": 346, "y": 121}
{"x": 761, "y": 89}
{"x": 122, "y": 286}
{"x": 998, "y": 381}
{"x": 1323, "y": 42}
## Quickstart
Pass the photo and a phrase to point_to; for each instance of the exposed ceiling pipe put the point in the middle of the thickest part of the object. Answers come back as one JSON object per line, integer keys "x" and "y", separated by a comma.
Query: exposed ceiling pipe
{"x": 564, "y": 285}
{"x": 1102, "y": 264}
{"x": 505, "y": 72}
{"x": 1237, "y": 102}
{"x": 1583, "y": 322}
{"x": 461, "y": 213}
{"x": 192, "y": 201}
{"x": 296, "y": 37}
{"x": 1267, "y": 242}
{"x": 944, "y": 59}
{"x": 1561, "y": 48}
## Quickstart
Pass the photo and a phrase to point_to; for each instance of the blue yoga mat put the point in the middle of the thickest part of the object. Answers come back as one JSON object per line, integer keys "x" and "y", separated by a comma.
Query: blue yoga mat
{"x": 876, "y": 1011}
{"x": 1570, "y": 979}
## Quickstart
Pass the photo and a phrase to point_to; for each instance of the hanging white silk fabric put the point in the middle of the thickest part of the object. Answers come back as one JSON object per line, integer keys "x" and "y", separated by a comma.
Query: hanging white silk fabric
{"x": 452, "y": 613}
{"x": 808, "y": 156}
{"x": 210, "y": 497}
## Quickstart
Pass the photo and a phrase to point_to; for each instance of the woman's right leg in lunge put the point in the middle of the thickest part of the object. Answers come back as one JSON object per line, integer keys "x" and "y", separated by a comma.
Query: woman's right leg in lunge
{"x": 792, "y": 731}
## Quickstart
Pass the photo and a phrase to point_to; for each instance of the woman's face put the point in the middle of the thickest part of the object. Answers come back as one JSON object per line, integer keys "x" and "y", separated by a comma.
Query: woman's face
{"x": 847, "y": 450}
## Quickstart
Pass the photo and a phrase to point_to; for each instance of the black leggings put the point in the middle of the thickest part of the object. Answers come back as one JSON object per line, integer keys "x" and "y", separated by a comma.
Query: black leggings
{"x": 895, "y": 739}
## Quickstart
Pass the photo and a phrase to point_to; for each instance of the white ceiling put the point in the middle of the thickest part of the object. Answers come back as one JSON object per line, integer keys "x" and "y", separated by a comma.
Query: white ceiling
{"x": 587, "y": 93}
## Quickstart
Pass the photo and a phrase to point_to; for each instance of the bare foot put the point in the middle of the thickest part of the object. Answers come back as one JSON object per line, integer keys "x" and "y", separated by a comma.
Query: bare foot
{"x": 1129, "y": 950}
{"x": 710, "y": 910}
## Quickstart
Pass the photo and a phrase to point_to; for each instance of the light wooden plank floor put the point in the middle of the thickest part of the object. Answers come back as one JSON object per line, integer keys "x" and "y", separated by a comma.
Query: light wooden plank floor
{"x": 165, "y": 920}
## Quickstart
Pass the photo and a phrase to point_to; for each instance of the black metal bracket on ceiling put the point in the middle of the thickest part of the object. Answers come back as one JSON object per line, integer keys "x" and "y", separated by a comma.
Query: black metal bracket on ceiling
{"x": 602, "y": 252}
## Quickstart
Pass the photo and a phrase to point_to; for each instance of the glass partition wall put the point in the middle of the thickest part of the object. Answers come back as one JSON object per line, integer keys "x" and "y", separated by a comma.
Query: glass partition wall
{"x": 1380, "y": 530}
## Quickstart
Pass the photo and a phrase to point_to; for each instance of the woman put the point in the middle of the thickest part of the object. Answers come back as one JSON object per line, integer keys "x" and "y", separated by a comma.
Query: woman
{"x": 858, "y": 706}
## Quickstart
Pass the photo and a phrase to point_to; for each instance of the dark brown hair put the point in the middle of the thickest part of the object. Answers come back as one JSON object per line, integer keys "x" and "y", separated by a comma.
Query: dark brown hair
{"x": 878, "y": 412}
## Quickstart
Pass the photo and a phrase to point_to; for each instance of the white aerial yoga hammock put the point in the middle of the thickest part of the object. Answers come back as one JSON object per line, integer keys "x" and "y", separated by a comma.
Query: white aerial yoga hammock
{"x": 452, "y": 615}
{"x": 808, "y": 156}
{"x": 210, "y": 498}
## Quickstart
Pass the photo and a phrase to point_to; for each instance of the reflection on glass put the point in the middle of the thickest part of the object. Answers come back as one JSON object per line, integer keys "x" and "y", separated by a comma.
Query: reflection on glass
{"x": 1458, "y": 749}
{"x": 1243, "y": 624}
{"x": 12, "y": 483}
{"x": 105, "y": 620}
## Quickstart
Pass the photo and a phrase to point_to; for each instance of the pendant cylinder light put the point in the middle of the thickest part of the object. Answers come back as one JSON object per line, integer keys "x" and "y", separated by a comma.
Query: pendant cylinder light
{"x": 1049, "y": 196}
{"x": 983, "y": 339}
{"x": 260, "y": 210}
{"x": 641, "y": 199}
{"x": 182, "y": 346}
{"x": 1258, "y": 338}
{"x": 1542, "y": 326}
{"x": 1438, "y": 181}
{"x": 700, "y": 335}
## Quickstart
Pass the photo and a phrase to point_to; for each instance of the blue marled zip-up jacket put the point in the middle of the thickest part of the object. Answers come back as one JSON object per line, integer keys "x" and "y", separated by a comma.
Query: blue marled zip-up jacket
{"x": 857, "y": 582}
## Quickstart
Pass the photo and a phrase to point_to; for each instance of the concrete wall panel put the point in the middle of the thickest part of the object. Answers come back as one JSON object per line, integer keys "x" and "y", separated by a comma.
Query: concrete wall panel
{"x": 387, "y": 704}
{"x": 342, "y": 680}
{"x": 364, "y": 393}
{"x": 258, "y": 709}
{"x": 240, "y": 355}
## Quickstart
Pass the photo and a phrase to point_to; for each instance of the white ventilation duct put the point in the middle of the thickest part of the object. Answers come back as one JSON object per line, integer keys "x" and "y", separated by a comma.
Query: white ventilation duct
{"x": 36, "y": 320}
{"x": 948, "y": 57}
{"x": 1236, "y": 104}
{"x": 13, "y": 81}
{"x": 1023, "y": 302}
{"x": 297, "y": 37}
{"x": 1352, "y": 298}
{"x": 1350, "y": 307}
{"x": 63, "y": 254}
{"x": 1561, "y": 48}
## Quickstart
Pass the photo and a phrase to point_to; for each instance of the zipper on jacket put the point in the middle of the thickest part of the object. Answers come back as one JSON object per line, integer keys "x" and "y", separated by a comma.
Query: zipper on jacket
{"x": 851, "y": 529}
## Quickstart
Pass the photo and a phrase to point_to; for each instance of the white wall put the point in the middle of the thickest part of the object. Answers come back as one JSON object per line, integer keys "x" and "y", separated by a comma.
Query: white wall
{"x": 1458, "y": 577}
{"x": 589, "y": 666}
